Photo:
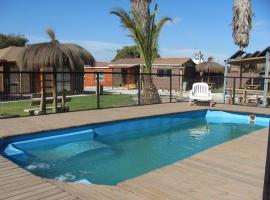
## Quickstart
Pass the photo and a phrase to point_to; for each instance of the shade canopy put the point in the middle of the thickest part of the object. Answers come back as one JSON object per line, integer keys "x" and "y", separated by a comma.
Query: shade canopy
{"x": 54, "y": 54}
{"x": 210, "y": 67}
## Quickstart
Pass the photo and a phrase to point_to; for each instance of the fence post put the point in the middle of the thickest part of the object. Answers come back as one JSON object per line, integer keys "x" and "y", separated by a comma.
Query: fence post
{"x": 266, "y": 187}
{"x": 233, "y": 100}
{"x": 55, "y": 100}
{"x": 170, "y": 87}
{"x": 139, "y": 89}
{"x": 98, "y": 90}
{"x": 43, "y": 94}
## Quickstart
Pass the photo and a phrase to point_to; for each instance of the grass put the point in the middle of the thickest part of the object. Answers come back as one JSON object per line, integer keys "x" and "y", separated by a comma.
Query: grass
{"x": 77, "y": 103}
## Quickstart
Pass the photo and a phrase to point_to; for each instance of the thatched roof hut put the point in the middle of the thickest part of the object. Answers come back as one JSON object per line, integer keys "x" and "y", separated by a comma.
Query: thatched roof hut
{"x": 210, "y": 67}
{"x": 54, "y": 54}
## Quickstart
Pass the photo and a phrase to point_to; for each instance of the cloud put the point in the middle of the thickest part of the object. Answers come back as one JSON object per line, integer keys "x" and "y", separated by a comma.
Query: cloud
{"x": 105, "y": 51}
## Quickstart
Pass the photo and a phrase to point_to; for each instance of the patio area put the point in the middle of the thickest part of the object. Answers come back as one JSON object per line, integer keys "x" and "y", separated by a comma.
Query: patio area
{"x": 233, "y": 170}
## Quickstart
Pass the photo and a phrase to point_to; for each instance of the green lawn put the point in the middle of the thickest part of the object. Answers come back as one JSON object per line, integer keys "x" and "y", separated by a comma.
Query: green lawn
{"x": 77, "y": 103}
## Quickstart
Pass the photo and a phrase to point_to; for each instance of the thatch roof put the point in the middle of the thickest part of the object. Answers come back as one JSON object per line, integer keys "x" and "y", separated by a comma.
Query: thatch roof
{"x": 54, "y": 54}
{"x": 211, "y": 67}
{"x": 10, "y": 54}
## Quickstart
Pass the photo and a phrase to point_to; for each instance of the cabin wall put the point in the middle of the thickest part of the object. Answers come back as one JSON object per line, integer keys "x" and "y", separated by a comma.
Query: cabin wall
{"x": 104, "y": 79}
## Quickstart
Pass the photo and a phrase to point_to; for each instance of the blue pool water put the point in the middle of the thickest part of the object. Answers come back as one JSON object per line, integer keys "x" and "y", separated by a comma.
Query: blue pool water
{"x": 113, "y": 152}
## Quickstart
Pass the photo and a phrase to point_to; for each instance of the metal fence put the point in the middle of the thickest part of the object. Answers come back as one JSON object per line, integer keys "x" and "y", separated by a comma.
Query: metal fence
{"x": 33, "y": 93}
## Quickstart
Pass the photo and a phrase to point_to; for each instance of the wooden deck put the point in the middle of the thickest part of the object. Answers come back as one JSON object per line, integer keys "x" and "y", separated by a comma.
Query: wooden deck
{"x": 18, "y": 184}
{"x": 230, "y": 171}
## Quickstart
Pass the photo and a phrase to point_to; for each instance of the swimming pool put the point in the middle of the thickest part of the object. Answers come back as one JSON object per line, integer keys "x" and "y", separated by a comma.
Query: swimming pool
{"x": 109, "y": 153}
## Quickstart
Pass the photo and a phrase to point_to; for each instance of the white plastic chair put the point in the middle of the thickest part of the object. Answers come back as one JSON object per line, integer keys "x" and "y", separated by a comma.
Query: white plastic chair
{"x": 200, "y": 93}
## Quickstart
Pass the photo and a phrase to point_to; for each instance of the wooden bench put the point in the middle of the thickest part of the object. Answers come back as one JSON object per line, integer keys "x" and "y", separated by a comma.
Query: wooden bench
{"x": 36, "y": 100}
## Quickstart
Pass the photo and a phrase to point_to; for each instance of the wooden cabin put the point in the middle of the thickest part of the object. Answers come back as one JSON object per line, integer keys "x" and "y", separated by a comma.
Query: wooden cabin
{"x": 13, "y": 82}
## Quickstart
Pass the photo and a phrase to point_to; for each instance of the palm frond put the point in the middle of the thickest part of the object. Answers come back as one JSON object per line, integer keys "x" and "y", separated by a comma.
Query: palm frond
{"x": 144, "y": 31}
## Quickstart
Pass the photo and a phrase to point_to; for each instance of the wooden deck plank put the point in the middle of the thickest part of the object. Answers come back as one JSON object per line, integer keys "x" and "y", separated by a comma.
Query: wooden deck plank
{"x": 44, "y": 194}
{"x": 81, "y": 191}
{"x": 32, "y": 193}
{"x": 61, "y": 196}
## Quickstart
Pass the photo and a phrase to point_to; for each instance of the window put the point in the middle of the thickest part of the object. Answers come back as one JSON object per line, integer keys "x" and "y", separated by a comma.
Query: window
{"x": 164, "y": 72}
{"x": 101, "y": 77}
{"x": 63, "y": 80}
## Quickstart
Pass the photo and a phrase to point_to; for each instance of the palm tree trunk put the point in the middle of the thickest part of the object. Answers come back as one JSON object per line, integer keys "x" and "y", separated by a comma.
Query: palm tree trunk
{"x": 140, "y": 8}
{"x": 150, "y": 93}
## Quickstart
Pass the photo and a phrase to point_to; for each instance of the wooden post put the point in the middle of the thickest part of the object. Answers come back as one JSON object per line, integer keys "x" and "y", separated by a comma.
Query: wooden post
{"x": 266, "y": 187}
{"x": 63, "y": 101}
{"x": 241, "y": 75}
{"x": 225, "y": 82}
{"x": 266, "y": 72}
{"x": 171, "y": 88}
{"x": 233, "y": 100}
{"x": 181, "y": 82}
{"x": 139, "y": 88}
{"x": 43, "y": 94}
{"x": 21, "y": 83}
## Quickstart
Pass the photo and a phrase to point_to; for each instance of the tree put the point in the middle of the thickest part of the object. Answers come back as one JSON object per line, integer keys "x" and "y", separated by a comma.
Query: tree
{"x": 12, "y": 40}
{"x": 145, "y": 33}
{"x": 242, "y": 22}
{"x": 131, "y": 52}
{"x": 141, "y": 9}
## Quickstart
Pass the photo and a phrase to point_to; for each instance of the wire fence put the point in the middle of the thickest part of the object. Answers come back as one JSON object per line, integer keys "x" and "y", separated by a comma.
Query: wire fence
{"x": 34, "y": 93}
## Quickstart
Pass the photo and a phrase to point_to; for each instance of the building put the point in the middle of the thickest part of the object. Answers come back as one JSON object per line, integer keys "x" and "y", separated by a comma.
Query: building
{"x": 102, "y": 68}
{"x": 111, "y": 76}
{"x": 162, "y": 69}
{"x": 248, "y": 70}
{"x": 13, "y": 82}
{"x": 124, "y": 73}
{"x": 9, "y": 76}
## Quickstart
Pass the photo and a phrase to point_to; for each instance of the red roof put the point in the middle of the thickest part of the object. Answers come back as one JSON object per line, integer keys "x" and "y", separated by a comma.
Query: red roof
{"x": 98, "y": 64}
{"x": 101, "y": 64}
{"x": 157, "y": 61}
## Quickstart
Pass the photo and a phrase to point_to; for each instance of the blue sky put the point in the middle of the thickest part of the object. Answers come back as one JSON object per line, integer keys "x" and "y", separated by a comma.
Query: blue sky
{"x": 198, "y": 25}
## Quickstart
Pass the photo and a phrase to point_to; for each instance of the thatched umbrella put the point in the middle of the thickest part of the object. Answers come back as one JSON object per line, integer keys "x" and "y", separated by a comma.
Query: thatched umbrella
{"x": 209, "y": 67}
{"x": 52, "y": 56}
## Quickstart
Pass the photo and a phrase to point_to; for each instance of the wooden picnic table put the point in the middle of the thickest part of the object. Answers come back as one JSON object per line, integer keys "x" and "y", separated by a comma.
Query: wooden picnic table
{"x": 245, "y": 92}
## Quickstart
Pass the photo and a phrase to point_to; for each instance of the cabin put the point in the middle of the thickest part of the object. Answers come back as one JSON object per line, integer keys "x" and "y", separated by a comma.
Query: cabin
{"x": 162, "y": 68}
{"x": 15, "y": 83}
{"x": 90, "y": 78}
{"x": 123, "y": 73}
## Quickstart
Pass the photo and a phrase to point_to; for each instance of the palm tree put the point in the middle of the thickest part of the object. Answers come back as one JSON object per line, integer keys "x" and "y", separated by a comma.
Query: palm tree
{"x": 141, "y": 8}
{"x": 242, "y": 22}
{"x": 145, "y": 33}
